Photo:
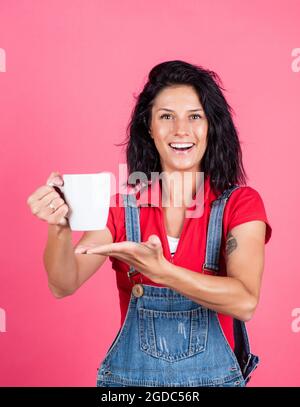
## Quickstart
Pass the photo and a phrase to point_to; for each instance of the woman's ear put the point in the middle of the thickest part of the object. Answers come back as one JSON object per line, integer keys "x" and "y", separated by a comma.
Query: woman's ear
{"x": 149, "y": 130}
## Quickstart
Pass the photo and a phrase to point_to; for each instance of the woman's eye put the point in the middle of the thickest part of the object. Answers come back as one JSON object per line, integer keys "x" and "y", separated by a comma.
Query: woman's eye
{"x": 168, "y": 115}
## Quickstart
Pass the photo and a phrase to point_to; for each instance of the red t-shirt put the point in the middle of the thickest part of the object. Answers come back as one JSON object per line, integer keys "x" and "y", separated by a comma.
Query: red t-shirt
{"x": 245, "y": 204}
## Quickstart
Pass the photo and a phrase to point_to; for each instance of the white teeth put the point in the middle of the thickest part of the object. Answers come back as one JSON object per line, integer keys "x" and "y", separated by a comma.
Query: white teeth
{"x": 181, "y": 145}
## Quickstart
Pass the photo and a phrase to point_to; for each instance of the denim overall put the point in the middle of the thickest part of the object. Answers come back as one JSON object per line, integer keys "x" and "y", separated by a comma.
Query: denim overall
{"x": 169, "y": 340}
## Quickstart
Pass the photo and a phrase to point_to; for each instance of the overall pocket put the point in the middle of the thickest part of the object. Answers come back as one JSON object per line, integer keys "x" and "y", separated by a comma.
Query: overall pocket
{"x": 173, "y": 335}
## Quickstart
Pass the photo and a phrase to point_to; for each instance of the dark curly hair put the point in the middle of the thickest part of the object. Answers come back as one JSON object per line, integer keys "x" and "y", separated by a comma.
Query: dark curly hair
{"x": 222, "y": 160}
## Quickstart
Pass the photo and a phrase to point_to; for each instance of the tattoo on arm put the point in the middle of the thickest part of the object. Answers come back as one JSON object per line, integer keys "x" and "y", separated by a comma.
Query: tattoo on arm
{"x": 231, "y": 243}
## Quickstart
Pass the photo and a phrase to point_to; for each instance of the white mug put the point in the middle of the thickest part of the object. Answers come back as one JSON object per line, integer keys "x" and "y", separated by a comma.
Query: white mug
{"x": 88, "y": 199}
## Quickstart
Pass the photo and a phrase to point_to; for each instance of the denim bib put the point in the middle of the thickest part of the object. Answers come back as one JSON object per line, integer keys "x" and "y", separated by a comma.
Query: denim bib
{"x": 168, "y": 340}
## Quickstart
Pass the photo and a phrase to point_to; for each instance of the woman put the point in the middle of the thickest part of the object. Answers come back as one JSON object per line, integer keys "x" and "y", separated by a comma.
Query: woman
{"x": 188, "y": 280}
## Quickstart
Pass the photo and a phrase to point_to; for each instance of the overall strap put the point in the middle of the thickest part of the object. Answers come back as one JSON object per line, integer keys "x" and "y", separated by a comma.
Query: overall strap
{"x": 246, "y": 359}
{"x": 214, "y": 234}
{"x": 132, "y": 223}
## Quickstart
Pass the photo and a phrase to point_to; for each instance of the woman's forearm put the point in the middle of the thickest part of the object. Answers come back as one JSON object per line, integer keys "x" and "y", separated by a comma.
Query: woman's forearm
{"x": 226, "y": 295}
{"x": 60, "y": 262}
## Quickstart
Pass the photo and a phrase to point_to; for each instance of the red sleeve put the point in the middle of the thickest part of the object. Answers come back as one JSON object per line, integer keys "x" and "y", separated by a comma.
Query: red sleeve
{"x": 113, "y": 214}
{"x": 116, "y": 219}
{"x": 110, "y": 224}
{"x": 245, "y": 204}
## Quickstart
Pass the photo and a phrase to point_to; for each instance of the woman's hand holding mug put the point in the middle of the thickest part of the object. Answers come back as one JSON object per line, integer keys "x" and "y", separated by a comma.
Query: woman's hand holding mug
{"x": 47, "y": 202}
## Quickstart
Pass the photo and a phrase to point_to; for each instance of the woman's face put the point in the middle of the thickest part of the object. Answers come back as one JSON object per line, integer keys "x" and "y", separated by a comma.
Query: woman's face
{"x": 179, "y": 128}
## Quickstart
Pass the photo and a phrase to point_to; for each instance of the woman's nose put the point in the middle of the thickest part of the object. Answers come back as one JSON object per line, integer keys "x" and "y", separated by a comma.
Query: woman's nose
{"x": 181, "y": 128}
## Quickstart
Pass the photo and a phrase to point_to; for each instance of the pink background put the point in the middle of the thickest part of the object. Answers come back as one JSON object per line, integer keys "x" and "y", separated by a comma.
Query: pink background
{"x": 72, "y": 70}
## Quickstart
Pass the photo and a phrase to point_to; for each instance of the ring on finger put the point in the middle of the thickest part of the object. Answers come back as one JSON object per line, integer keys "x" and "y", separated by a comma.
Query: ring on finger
{"x": 52, "y": 207}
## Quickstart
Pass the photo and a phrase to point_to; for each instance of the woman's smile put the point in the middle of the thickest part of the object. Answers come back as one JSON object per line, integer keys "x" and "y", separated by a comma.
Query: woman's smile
{"x": 182, "y": 148}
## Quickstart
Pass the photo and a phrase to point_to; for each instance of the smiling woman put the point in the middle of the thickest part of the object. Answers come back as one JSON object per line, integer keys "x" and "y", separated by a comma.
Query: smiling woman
{"x": 183, "y": 315}
{"x": 175, "y": 312}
